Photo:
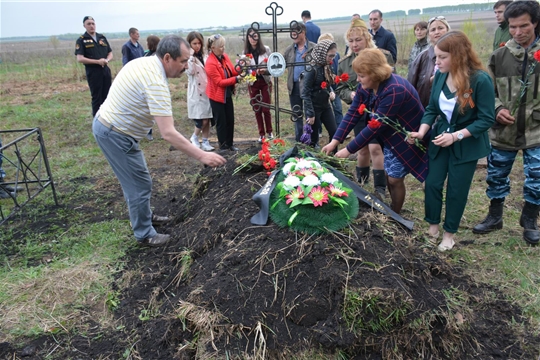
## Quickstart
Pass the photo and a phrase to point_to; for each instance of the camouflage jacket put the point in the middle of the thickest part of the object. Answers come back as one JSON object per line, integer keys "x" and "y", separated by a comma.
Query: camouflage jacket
{"x": 507, "y": 70}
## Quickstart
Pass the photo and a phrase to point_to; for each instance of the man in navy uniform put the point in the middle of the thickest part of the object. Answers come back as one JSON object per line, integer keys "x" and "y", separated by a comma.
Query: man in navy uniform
{"x": 93, "y": 50}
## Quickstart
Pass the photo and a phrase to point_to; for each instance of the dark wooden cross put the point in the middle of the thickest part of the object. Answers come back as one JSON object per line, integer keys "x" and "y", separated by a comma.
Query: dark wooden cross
{"x": 242, "y": 67}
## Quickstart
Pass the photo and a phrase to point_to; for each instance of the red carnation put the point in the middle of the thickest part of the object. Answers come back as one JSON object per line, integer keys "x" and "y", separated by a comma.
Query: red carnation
{"x": 254, "y": 73}
{"x": 502, "y": 44}
{"x": 249, "y": 56}
{"x": 265, "y": 60}
{"x": 374, "y": 124}
{"x": 345, "y": 77}
{"x": 324, "y": 85}
{"x": 361, "y": 109}
{"x": 537, "y": 55}
{"x": 337, "y": 79}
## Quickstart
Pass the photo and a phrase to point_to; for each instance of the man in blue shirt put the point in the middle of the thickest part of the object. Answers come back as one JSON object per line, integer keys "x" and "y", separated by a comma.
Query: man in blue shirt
{"x": 312, "y": 31}
{"x": 296, "y": 53}
{"x": 383, "y": 38}
{"x": 132, "y": 49}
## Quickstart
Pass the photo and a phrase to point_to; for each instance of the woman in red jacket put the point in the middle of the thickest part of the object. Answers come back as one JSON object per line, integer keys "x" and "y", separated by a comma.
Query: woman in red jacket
{"x": 222, "y": 77}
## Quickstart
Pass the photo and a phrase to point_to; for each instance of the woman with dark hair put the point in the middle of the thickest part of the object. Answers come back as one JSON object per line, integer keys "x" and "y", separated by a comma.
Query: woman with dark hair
{"x": 420, "y": 32}
{"x": 222, "y": 78}
{"x": 259, "y": 53}
{"x": 463, "y": 98}
{"x": 152, "y": 42}
{"x": 198, "y": 104}
{"x": 389, "y": 97}
{"x": 423, "y": 68}
{"x": 317, "y": 91}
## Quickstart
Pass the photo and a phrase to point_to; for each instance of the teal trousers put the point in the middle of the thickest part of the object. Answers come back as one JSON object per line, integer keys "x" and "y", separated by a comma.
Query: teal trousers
{"x": 457, "y": 189}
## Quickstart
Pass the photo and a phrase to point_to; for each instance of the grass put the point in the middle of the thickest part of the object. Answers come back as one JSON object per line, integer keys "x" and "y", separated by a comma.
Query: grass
{"x": 57, "y": 273}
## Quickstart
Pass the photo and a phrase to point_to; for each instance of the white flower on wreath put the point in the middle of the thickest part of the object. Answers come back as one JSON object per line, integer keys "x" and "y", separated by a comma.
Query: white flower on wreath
{"x": 307, "y": 164}
{"x": 329, "y": 178}
{"x": 291, "y": 182}
{"x": 287, "y": 168}
{"x": 311, "y": 180}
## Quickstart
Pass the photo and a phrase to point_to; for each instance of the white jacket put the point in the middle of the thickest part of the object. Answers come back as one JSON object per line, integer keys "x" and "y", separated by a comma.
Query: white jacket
{"x": 197, "y": 101}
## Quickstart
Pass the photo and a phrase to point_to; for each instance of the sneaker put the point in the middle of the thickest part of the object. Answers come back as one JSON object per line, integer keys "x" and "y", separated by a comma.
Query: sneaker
{"x": 234, "y": 148}
{"x": 261, "y": 138}
{"x": 149, "y": 137}
{"x": 159, "y": 220}
{"x": 156, "y": 240}
{"x": 270, "y": 136}
{"x": 195, "y": 140}
{"x": 206, "y": 146}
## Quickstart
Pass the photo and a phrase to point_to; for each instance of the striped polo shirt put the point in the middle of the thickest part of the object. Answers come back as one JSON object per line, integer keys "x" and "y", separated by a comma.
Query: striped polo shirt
{"x": 139, "y": 92}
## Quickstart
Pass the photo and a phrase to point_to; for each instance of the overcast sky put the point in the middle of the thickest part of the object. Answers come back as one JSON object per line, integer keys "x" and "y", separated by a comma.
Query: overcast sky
{"x": 45, "y": 18}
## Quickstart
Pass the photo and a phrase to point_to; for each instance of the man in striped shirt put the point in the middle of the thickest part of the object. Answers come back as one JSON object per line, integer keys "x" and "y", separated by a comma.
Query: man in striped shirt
{"x": 139, "y": 96}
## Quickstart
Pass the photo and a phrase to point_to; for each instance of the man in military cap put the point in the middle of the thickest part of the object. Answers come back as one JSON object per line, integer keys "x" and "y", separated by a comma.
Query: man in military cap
{"x": 93, "y": 50}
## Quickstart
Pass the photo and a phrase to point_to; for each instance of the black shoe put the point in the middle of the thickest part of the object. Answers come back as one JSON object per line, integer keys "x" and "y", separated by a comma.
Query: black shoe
{"x": 234, "y": 148}
{"x": 5, "y": 195}
{"x": 160, "y": 220}
{"x": 156, "y": 240}
{"x": 493, "y": 220}
{"x": 528, "y": 220}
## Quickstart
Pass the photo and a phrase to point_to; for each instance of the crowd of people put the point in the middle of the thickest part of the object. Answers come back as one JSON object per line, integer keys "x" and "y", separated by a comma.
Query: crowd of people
{"x": 436, "y": 124}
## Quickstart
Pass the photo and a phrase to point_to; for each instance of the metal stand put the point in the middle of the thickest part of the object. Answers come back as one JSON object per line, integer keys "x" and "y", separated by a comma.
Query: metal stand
{"x": 275, "y": 10}
{"x": 32, "y": 173}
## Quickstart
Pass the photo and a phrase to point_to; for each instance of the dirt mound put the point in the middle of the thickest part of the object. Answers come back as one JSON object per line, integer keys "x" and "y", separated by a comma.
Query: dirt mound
{"x": 226, "y": 289}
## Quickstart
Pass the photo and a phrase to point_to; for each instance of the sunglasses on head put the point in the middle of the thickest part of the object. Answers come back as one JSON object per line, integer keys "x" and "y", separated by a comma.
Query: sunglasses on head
{"x": 215, "y": 37}
{"x": 436, "y": 18}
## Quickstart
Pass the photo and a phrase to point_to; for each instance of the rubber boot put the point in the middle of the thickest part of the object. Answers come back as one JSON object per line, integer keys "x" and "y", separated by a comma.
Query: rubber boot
{"x": 379, "y": 182}
{"x": 528, "y": 220}
{"x": 493, "y": 220}
{"x": 362, "y": 175}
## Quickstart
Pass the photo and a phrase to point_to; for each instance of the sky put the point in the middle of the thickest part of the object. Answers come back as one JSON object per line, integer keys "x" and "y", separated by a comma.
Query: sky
{"x": 46, "y": 18}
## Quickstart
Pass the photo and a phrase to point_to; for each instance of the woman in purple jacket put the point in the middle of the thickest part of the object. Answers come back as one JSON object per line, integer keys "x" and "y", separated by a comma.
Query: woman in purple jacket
{"x": 386, "y": 98}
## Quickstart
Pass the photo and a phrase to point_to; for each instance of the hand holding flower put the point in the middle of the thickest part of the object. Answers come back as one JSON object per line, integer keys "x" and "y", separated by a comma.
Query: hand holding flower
{"x": 328, "y": 148}
{"x": 332, "y": 96}
{"x": 343, "y": 153}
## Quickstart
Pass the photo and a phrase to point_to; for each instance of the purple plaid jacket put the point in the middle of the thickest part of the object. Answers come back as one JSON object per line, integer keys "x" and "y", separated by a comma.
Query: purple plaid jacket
{"x": 398, "y": 100}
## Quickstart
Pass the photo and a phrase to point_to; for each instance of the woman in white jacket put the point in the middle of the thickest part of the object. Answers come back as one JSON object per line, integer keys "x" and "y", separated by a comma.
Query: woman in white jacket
{"x": 258, "y": 54}
{"x": 199, "y": 109}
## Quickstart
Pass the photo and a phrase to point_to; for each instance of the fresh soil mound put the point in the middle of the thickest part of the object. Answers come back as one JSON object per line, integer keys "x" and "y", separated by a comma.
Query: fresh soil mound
{"x": 225, "y": 289}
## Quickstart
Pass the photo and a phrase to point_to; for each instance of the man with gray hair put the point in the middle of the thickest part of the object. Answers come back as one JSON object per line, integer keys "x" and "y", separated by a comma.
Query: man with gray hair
{"x": 140, "y": 96}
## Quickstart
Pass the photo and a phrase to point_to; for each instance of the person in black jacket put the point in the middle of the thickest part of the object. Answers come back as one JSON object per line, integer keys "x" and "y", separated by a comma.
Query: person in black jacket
{"x": 318, "y": 92}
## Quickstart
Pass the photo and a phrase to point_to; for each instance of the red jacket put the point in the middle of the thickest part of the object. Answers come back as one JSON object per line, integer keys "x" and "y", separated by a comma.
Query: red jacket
{"x": 218, "y": 81}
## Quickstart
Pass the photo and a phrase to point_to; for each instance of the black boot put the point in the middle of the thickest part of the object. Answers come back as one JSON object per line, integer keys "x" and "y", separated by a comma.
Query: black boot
{"x": 379, "y": 182}
{"x": 528, "y": 220}
{"x": 4, "y": 194}
{"x": 493, "y": 220}
{"x": 362, "y": 175}
{"x": 8, "y": 188}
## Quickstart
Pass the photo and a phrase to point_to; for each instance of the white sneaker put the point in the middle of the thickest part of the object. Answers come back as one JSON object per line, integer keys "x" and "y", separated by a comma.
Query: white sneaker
{"x": 270, "y": 136}
{"x": 260, "y": 139}
{"x": 206, "y": 146}
{"x": 195, "y": 140}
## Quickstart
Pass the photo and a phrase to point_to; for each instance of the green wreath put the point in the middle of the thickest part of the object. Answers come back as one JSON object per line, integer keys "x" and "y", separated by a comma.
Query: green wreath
{"x": 300, "y": 213}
